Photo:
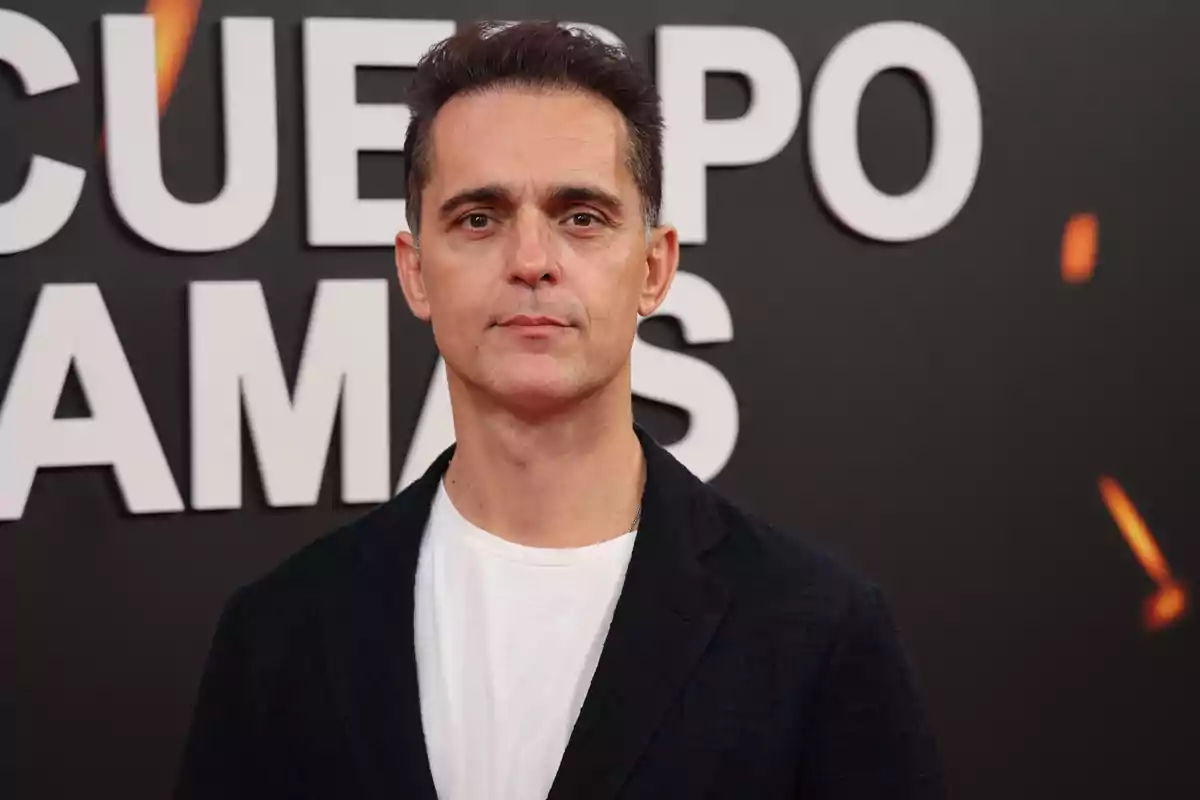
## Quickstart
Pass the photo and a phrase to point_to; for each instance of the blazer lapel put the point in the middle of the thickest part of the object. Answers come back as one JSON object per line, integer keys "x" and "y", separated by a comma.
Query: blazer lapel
{"x": 370, "y": 630}
{"x": 667, "y": 612}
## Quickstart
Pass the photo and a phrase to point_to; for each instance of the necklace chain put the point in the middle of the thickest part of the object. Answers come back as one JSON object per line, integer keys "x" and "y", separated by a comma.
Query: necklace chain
{"x": 636, "y": 519}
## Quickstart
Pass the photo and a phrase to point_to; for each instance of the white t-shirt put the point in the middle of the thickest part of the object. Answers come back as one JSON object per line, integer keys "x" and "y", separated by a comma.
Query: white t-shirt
{"x": 507, "y": 641}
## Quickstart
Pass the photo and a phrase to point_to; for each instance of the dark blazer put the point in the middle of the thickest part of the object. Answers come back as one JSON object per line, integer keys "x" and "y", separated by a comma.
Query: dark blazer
{"x": 740, "y": 663}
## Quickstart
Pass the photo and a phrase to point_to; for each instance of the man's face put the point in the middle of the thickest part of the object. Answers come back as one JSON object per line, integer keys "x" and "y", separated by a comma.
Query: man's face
{"x": 533, "y": 261}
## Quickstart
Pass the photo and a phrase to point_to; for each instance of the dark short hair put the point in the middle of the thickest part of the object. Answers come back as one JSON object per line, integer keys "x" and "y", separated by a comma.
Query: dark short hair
{"x": 540, "y": 55}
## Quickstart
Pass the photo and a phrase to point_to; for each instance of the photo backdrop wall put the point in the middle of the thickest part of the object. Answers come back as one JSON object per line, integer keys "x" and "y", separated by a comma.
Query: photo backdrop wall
{"x": 938, "y": 313}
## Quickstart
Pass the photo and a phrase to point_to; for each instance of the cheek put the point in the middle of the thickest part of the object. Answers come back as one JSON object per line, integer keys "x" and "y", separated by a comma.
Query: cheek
{"x": 459, "y": 308}
{"x": 611, "y": 297}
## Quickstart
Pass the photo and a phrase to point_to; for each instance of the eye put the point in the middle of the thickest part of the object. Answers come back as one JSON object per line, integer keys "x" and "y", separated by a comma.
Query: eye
{"x": 476, "y": 221}
{"x": 584, "y": 219}
{"x": 479, "y": 221}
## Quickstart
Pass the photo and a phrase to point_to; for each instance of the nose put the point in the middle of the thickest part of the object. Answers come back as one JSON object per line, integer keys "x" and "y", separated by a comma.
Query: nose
{"x": 531, "y": 259}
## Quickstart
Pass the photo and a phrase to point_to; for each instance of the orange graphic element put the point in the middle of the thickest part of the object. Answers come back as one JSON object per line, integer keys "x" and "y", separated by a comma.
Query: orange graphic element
{"x": 1169, "y": 603}
{"x": 1079, "y": 246}
{"x": 174, "y": 23}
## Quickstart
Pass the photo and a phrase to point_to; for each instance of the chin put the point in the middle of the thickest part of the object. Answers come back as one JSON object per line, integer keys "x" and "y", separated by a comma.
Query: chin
{"x": 538, "y": 388}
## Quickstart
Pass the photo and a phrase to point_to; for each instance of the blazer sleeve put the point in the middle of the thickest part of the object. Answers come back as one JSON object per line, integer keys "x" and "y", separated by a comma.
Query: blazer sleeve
{"x": 868, "y": 737}
{"x": 220, "y": 756}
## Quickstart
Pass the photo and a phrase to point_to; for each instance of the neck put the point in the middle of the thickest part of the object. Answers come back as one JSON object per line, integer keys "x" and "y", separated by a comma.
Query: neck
{"x": 567, "y": 479}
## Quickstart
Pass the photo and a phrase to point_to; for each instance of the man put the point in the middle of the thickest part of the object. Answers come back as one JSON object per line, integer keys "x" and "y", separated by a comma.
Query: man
{"x": 558, "y": 608}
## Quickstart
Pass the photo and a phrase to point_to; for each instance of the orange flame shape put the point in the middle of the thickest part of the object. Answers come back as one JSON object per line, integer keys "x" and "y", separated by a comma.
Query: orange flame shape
{"x": 1170, "y": 602}
{"x": 174, "y": 23}
{"x": 1079, "y": 248}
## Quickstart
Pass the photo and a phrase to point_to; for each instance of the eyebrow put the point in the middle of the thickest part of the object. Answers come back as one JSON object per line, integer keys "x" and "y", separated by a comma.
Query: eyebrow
{"x": 560, "y": 195}
{"x": 570, "y": 195}
{"x": 492, "y": 193}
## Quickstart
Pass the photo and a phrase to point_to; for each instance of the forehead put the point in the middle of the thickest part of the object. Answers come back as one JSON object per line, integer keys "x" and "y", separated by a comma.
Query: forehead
{"x": 528, "y": 138}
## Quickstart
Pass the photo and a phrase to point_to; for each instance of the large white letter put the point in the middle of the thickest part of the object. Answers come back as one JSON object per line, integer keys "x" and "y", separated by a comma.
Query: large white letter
{"x": 957, "y": 131}
{"x": 338, "y": 128}
{"x": 132, "y": 142}
{"x": 51, "y": 191}
{"x": 689, "y": 383}
{"x": 71, "y": 325}
{"x": 691, "y": 142}
{"x": 235, "y": 359}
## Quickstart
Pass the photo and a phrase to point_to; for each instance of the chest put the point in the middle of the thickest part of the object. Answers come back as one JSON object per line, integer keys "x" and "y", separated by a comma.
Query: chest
{"x": 505, "y": 650}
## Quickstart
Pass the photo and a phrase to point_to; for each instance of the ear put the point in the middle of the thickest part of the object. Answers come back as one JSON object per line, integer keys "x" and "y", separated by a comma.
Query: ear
{"x": 662, "y": 261}
{"x": 412, "y": 279}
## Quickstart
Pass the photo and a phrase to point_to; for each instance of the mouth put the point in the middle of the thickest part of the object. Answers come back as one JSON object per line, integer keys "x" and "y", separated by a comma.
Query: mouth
{"x": 530, "y": 321}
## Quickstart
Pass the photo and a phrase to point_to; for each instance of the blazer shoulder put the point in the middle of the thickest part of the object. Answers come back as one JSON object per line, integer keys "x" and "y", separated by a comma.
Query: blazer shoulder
{"x": 321, "y": 568}
{"x": 784, "y": 570}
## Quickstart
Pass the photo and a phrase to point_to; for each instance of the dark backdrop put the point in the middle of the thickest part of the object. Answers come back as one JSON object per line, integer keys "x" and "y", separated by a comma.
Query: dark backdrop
{"x": 937, "y": 412}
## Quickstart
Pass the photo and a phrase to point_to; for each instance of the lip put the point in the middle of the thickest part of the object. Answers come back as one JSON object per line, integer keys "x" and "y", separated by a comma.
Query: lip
{"x": 528, "y": 321}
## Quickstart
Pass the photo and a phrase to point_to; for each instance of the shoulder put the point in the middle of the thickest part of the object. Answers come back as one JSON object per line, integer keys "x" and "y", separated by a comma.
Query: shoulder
{"x": 784, "y": 573}
{"x": 773, "y": 570}
{"x": 381, "y": 545}
{"x": 317, "y": 574}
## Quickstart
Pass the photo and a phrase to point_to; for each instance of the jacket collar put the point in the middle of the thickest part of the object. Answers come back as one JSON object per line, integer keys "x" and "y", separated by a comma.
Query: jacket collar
{"x": 667, "y": 611}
